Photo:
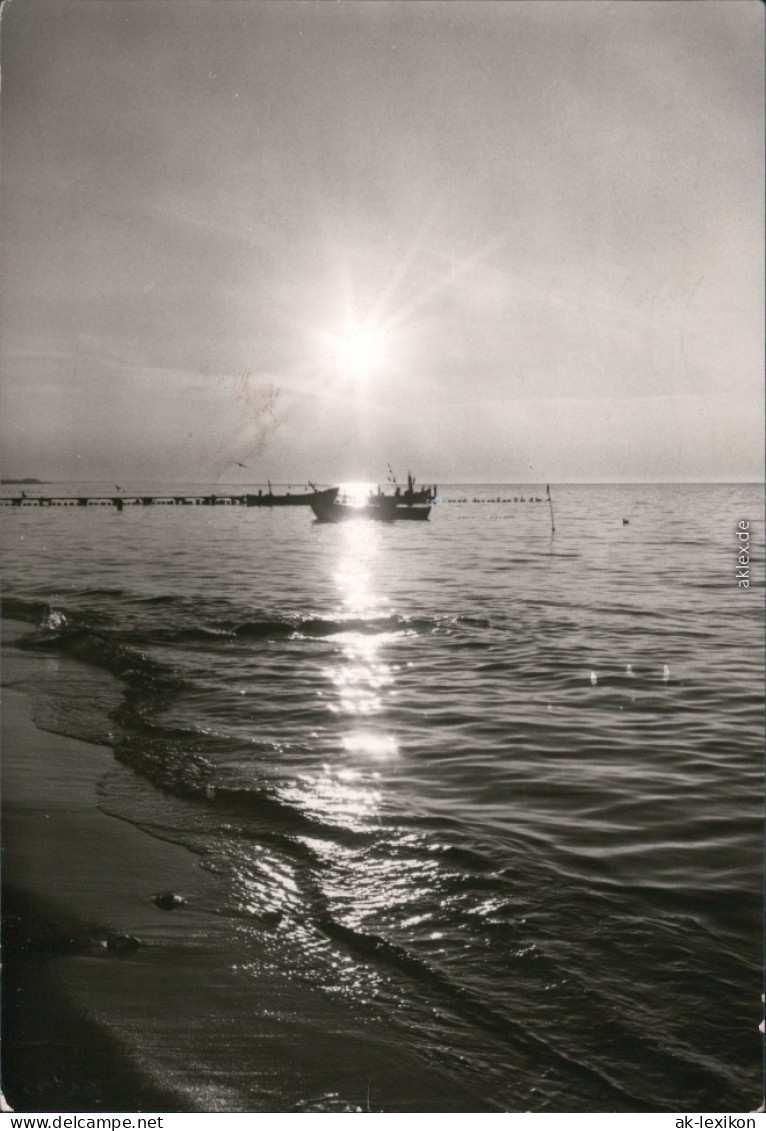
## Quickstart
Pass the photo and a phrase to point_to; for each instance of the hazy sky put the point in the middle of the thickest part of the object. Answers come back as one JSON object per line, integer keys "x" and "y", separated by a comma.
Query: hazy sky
{"x": 509, "y": 240}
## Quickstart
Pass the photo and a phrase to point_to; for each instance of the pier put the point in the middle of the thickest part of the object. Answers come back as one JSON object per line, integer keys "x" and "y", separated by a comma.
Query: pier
{"x": 120, "y": 501}
{"x": 261, "y": 499}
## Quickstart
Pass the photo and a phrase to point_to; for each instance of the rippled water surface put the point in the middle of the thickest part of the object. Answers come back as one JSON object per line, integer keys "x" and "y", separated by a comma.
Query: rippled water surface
{"x": 495, "y": 789}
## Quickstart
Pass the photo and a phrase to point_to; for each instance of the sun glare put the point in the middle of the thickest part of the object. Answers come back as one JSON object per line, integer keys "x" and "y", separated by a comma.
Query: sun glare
{"x": 359, "y": 350}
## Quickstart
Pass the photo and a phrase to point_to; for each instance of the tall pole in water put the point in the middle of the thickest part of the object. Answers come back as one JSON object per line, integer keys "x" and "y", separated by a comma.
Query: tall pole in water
{"x": 550, "y": 503}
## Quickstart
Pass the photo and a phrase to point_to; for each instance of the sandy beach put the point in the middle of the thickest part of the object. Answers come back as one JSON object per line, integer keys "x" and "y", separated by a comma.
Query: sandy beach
{"x": 78, "y": 898}
{"x": 113, "y": 1003}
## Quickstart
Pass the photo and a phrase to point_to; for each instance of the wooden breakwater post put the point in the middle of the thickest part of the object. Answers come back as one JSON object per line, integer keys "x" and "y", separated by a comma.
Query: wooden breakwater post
{"x": 122, "y": 501}
{"x": 169, "y": 500}
{"x": 249, "y": 500}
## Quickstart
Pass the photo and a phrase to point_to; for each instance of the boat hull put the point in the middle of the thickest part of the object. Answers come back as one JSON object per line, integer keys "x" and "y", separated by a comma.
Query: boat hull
{"x": 385, "y": 510}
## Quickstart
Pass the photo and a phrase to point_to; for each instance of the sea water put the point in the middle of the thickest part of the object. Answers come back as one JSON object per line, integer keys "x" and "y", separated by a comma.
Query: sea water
{"x": 489, "y": 790}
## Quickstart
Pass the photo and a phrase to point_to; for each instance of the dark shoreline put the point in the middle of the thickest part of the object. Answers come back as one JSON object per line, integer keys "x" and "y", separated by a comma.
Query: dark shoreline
{"x": 72, "y": 885}
{"x": 112, "y": 1003}
{"x": 77, "y": 885}
{"x": 54, "y": 1057}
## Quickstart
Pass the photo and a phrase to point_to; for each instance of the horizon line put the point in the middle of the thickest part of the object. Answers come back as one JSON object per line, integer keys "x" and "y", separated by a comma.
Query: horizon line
{"x": 31, "y": 481}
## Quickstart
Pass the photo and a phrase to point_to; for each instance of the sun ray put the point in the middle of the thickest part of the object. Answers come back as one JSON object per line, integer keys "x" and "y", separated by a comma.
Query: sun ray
{"x": 448, "y": 278}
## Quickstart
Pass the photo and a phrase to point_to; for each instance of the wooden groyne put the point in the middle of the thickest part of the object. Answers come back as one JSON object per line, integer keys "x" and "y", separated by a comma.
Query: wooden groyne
{"x": 480, "y": 499}
{"x": 261, "y": 499}
{"x": 120, "y": 501}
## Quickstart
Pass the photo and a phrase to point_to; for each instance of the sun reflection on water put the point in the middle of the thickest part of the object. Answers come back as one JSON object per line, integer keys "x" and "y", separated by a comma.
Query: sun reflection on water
{"x": 361, "y": 679}
{"x": 350, "y": 785}
{"x": 370, "y": 744}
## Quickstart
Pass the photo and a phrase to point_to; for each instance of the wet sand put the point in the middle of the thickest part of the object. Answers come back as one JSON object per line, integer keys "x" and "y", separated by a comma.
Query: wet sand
{"x": 111, "y": 1003}
{"x": 78, "y": 889}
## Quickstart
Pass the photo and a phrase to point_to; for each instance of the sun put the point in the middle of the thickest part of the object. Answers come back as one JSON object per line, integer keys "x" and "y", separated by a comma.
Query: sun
{"x": 359, "y": 350}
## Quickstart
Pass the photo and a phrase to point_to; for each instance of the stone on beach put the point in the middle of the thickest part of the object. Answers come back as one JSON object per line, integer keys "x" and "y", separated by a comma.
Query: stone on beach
{"x": 168, "y": 900}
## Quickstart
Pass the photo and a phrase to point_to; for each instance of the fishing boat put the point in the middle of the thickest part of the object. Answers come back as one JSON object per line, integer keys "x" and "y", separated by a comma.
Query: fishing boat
{"x": 414, "y": 495}
{"x": 303, "y": 499}
{"x": 379, "y": 508}
{"x": 419, "y": 496}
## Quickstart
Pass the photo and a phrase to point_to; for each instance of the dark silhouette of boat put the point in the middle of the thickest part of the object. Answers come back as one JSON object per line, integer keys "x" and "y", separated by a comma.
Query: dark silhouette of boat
{"x": 411, "y": 505}
{"x": 412, "y": 495}
{"x": 304, "y": 499}
{"x": 379, "y": 508}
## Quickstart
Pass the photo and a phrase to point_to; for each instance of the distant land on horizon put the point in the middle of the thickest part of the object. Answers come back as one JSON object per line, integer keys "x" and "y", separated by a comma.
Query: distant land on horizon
{"x": 28, "y": 480}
